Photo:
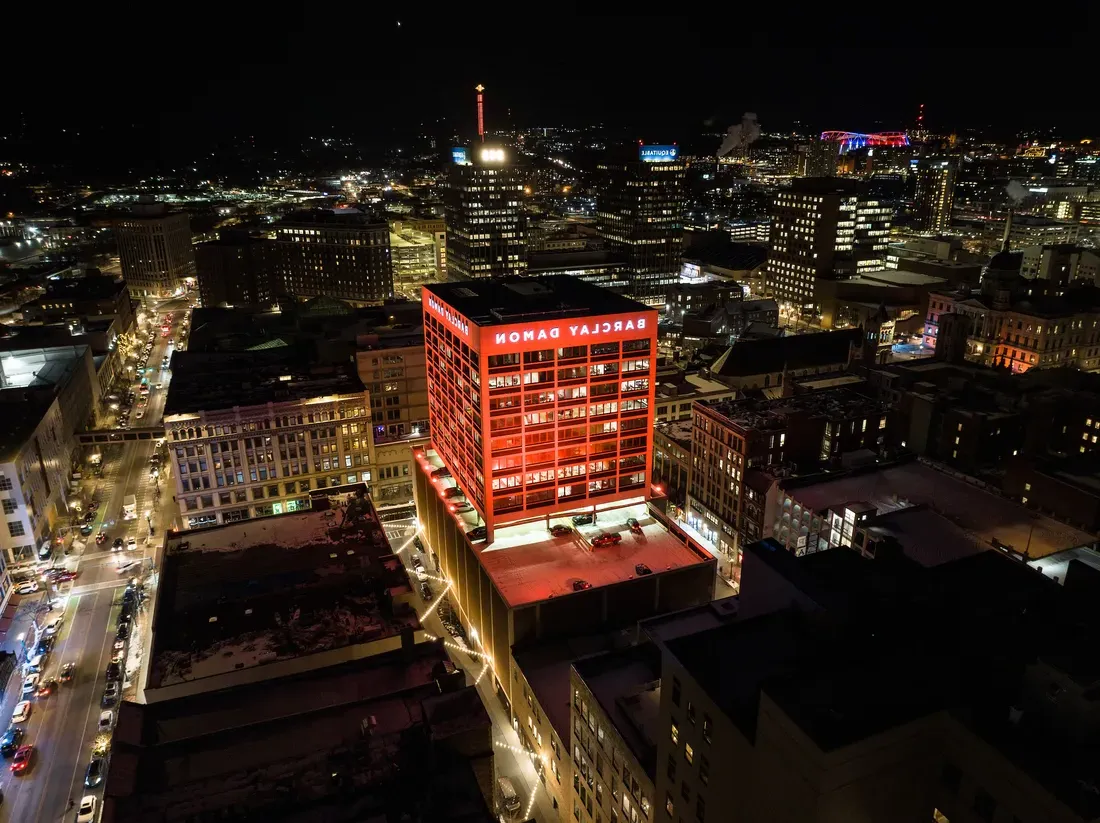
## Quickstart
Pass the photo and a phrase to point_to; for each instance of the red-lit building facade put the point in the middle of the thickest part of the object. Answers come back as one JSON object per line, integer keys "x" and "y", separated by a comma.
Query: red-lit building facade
{"x": 540, "y": 394}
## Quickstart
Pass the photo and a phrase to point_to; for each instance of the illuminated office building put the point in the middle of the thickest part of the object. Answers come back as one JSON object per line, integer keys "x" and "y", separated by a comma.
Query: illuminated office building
{"x": 935, "y": 193}
{"x": 342, "y": 253}
{"x": 823, "y": 228}
{"x": 154, "y": 249}
{"x": 486, "y": 224}
{"x": 540, "y": 402}
{"x": 540, "y": 393}
{"x": 639, "y": 215}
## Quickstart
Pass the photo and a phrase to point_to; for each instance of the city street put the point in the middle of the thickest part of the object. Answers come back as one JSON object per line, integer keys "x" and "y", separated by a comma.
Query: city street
{"x": 63, "y": 726}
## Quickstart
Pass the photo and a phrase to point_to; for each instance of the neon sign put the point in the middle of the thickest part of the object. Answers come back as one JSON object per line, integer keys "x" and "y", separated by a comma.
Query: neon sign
{"x": 458, "y": 155}
{"x": 658, "y": 154}
{"x": 578, "y": 330}
{"x": 456, "y": 320}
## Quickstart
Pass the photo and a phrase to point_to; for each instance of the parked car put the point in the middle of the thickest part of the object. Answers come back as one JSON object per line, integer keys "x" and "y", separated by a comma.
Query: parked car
{"x": 110, "y": 694}
{"x": 452, "y": 493}
{"x": 633, "y": 524}
{"x": 461, "y": 508}
{"x": 106, "y": 720}
{"x": 24, "y": 756}
{"x": 581, "y": 585}
{"x": 642, "y": 569}
{"x": 123, "y": 631}
{"x": 114, "y": 671}
{"x": 93, "y": 776}
{"x": 67, "y": 672}
{"x": 27, "y": 587}
{"x": 30, "y": 684}
{"x": 44, "y": 645}
{"x": 480, "y": 533}
{"x": 425, "y": 591}
{"x": 439, "y": 473}
{"x": 21, "y": 712}
{"x": 418, "y": 543}
{"x": 87, "y": 810}
{"x": 117, "y": 545}
{"x": 560, "y": 530}
{"x": 131, "y": 542}
{"x": 421, "y": 575}
{"x": 11, "y": 741}
{"x": 417, "y": 562}
{"x": 607, "y": 539}
{"x": 53, "y": 625}
{"x": 86, "y": 529}
{"x": 582, "y": 519}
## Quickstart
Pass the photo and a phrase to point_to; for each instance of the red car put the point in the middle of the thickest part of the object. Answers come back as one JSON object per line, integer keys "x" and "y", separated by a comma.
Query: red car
{"x": 22, "y": 760}
{"x": 609, "y": 539}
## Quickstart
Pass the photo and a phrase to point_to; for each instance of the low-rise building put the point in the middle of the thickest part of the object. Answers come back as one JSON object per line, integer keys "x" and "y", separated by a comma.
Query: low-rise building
{"x": 93, "y": 296}
{"x": 770, "y": 364}
{"x": 603, "y": 268}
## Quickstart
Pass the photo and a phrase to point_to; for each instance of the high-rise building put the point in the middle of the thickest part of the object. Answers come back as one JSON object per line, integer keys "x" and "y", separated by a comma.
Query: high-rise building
{"x": 486, "y": 224}
{"x": 415, "y": 261}
{"x": 935, "y": 193}
{"x": 342, "y": 253}
{"x": 234, "y": 270}
{"x": 639, "y": 215}
{"x": 540, "y": 393}
{"x": 823, "y": 228}
{"x": 818, "y": 158}
{"x": 154, "y": 249}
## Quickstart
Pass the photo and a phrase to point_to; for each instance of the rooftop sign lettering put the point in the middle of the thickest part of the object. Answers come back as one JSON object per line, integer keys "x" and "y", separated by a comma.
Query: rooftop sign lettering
{"x": 456, "y": 320}
{"x": 569, "y": 331}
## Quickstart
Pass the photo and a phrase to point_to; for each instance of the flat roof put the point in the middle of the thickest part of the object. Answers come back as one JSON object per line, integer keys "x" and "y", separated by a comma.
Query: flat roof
{"x": 245, "y": 594}
{"x": 897, "y": 277}
{"x": 773, "y": 414}
{"x": 981, "y": 515}
{"x": 627, "y": 685}
{"x": 498, "y": 301}
{"x": 211, "y": 381}
{"x": 528, "y": 565}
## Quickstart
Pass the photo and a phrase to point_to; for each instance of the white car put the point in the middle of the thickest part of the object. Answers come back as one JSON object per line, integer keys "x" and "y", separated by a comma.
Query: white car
{"x": 127, "y": 566}
{"x": 30, "y": 684}
{"x": 106, "y": 720}
{"x": 54, "y": 626}
{"x": 421, "y": 575}
{"x": 36, "y": 662}
{"x": 86, "y": 813}
{"x": 131, "y": 542}
{"x": 140, "y": 414}
{"x": 22, "y": 711}
{"x": 27, "y": 587}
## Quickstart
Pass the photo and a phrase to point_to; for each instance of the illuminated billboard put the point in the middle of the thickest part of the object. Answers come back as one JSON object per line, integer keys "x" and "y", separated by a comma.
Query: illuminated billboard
{"x": 658, "y": 154}
{"x": 458, "y": 155}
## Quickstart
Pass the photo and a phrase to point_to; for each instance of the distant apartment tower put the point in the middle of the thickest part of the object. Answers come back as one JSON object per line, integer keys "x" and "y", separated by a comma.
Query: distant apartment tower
{"x": 233, "y": 271}
{"x": 342, "y": 253}
{"x": 935, "y": 193}
{"x": 823, "y": 228}
{"x": 485, "y": 222}
{"x": 639, "y": 215}
{"x": 154, "y": 249}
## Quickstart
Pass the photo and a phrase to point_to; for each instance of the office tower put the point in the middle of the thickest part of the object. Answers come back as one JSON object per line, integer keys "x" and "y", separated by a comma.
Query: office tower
{"x": 486, "y": 224}
{"x": 415, "y": 260}
{"x": 343, "y": 253}
{"x": 822, "y": 228}
{"x": 935, "y": 194}
{"x": 639, "y": 214}
{"x": 540, "y": 393}
{"x": 533, "y": 499}
{"x": 818, "y": 158}
{"x": 234, "y": 270}
{"x": 154, "y": 249}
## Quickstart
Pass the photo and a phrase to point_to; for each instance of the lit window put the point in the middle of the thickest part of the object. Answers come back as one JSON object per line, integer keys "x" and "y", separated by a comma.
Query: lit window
{"x": 689, "y": 753}
{"x": 675, "y": 735}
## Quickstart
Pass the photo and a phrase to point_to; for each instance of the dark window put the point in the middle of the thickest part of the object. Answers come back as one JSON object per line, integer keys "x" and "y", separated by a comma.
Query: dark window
{"x": 704, "y": 770}
{"x": 672, "y": 767}
{"x": 675, "y": 692}
{"x": 707, "y": 726}
{"x": 685, "y": 791}
{"x": 700, "y": 808}
{"x": 951, "y": 777}
{"x": 984, "y": 805}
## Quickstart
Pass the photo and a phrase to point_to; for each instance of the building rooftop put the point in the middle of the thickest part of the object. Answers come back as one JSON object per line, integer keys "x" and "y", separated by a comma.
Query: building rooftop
{"x": 627, "y": 685}
{"x": 280, "y": 588}
{"x": 765, "y": 415}
{"x": 678, "y": 431}
{"x": 552, "y": 261}
{"x": 90, "y": 287}
{"x": 30, "y": 380}
{"x": 497, "y": 301}
{"x": 983, "y": 517}
{"x": 528, "y": 565}
{"x": 338, "y": 218}
{"x": 209, "y": 381}
{"x": 798, "y": 351}
{"x": 196, "y": 753}
{"x": 897, "y": 277}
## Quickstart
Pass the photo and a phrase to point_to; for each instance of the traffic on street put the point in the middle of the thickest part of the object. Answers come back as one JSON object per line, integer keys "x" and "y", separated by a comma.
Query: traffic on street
{"x": 78, "y": 631}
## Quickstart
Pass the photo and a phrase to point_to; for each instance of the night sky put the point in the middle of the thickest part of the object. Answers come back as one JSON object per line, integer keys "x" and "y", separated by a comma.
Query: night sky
{"x": 164, "y": 84}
